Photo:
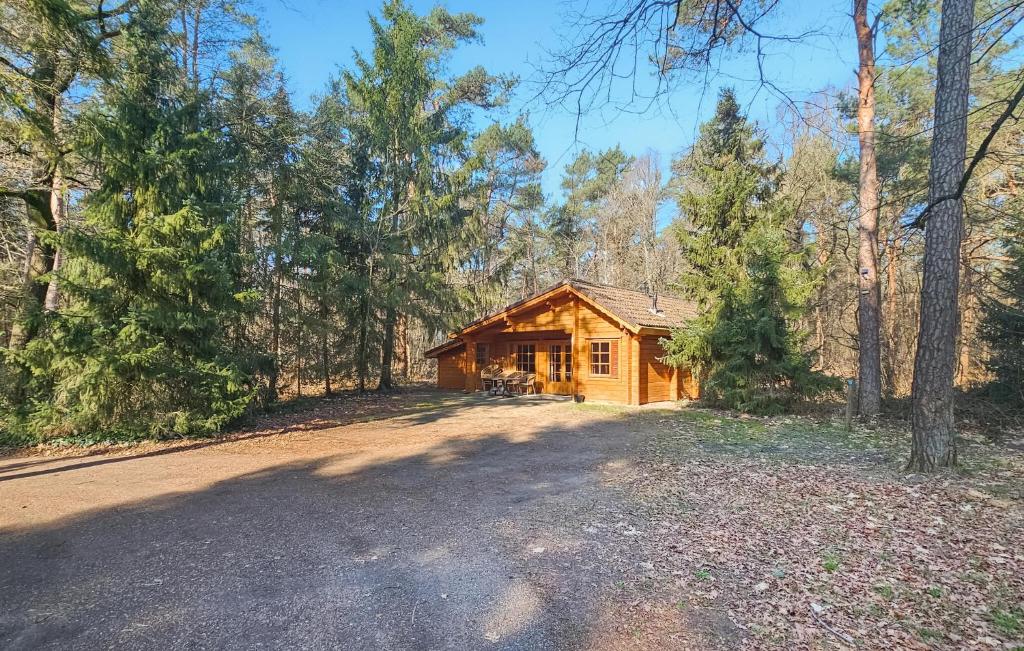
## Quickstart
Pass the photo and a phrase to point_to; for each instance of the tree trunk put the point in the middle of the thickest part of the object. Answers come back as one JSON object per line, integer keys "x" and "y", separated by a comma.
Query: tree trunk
{"x": 59, "y": 210}
{"x": 892, "y": 310}
{"x": 38, "y": 261}
{"x": 298, "y": 341}
{"x": 969, "y": 320}
{"x": 869, "y": 302}
{"x": 402, "y": 351}
{"x": 275, "y": 343}
{"x": 325, "y": 357}
{"x": 934, "y": 432}
{"x": 387, "y": 356}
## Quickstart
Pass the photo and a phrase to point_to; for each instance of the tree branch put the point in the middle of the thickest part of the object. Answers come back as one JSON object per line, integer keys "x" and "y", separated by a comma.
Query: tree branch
{"x": 1012, "y": 103}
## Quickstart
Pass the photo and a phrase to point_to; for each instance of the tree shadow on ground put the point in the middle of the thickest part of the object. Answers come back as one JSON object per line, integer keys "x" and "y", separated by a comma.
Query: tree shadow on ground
{"x": 433, "y": 550}
{"x": 409, "y": 407}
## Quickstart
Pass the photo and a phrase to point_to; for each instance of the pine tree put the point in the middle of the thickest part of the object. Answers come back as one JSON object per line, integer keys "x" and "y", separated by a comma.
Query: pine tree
{"x": 750, "y": 280}
{"x": 1003, "y": 327}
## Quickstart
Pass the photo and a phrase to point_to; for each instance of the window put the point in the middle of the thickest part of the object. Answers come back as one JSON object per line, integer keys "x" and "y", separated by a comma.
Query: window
{"x": 526, "y": 358}
{"x": 481, "y": 355}
{"x": 600, "y": 358}
{"x": 555, "y": 363}
{"x": 568, "y": 363}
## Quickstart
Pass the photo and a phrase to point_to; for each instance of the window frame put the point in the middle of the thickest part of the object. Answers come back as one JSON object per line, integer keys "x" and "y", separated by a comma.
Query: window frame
{"x": 481, "y": 360}
{"x": 602, "y": 366}
{"x": 530, "y": 355}
{"x": 555, "y": 352}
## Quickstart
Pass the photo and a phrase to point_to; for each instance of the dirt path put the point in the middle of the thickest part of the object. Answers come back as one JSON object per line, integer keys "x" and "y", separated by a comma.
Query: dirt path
{"x": 471, "y": 525}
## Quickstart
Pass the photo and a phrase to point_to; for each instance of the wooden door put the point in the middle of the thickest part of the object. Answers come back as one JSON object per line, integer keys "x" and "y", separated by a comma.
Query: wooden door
{"x": 558, "y": 371}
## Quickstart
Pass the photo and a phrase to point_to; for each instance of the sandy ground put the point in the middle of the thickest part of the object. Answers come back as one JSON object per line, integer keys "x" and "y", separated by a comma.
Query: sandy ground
{"x": 468, "y": 525}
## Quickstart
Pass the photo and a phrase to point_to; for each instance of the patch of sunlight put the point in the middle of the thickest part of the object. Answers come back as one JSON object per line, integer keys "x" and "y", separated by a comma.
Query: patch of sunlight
{"x": 516, "y": 608}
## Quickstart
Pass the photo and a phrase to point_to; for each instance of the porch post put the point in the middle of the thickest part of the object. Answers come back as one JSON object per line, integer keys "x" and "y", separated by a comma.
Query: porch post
{"x": 634, "y": 367}
{"x": 573, "y": 341}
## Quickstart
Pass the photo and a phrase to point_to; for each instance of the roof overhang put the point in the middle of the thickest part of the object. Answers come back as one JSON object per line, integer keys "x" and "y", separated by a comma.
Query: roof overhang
{"x": 563, "y": 288}
{"x": 448, "y": 346}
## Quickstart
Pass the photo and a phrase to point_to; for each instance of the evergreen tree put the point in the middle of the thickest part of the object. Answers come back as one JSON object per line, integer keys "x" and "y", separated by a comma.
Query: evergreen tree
{"x": 573, "y": 227}
{"x": 504, "y": 171}
{"x": 743, "y": 269}
{"x": 1003, "y": 326}
{"x": 141, "y": 349}
{"x": 415, "y": 124}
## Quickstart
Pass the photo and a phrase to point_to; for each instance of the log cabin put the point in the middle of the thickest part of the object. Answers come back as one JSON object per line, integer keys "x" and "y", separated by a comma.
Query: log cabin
{"x": 582, "y": 339}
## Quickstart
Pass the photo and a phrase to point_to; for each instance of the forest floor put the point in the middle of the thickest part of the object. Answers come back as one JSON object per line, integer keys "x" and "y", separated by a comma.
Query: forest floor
{"x": 428, "y": 519}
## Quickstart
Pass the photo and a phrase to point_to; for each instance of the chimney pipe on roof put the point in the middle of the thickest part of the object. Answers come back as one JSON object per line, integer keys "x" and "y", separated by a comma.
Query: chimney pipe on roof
{"x": 654, "y": 302}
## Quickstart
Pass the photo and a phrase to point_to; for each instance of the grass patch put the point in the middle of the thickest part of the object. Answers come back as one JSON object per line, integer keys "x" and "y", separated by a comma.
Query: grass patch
{"x": 601, "y": 408}
{"x": 929, "y": 634}
{"x": 884, "y": 590}
{"x": 831, "y": 562}
{"x": 1008, "y": 621}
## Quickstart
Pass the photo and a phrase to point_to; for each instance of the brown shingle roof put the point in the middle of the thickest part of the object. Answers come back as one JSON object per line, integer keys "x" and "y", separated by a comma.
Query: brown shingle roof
{"x": 636, "y": 307}
{"x": 629, "y": 306}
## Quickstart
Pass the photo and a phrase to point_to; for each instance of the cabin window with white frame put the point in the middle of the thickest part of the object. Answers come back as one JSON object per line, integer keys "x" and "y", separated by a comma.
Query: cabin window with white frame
{"x": 481, "y": 355}
{"x": 601, "y": 358}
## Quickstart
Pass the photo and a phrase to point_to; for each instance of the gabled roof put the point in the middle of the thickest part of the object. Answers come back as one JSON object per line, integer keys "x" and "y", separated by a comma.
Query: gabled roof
{"x": 633, "y": 309}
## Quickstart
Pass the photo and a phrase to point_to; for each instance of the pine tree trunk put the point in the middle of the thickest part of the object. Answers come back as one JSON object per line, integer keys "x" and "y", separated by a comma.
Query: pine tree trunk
{"x": 934, "y": 433}
{"x": 326, "y": 361}
{"x": 869, "y": 302}
{"x": 969, "y": 320}
{"x": 298, "y": 342}
{"x": 363, "y": 351}
{"x": 402, "y": 351}
{"x": 197, "y": 15}
{"x": 387, "y": 357}
{"x": 892, "y": 360}
{"x": 275, "y": 342}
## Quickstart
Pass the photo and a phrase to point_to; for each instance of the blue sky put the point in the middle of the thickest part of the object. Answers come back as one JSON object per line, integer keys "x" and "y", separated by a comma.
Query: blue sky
{"x": 315, "y": 38}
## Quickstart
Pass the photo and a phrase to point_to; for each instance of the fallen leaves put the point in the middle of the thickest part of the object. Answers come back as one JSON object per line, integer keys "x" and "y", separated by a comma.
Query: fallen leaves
{"x": 814, "y": 555}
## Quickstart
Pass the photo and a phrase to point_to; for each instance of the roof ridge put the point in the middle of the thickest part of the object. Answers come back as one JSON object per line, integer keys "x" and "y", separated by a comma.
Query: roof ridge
{"x": 624, "y": 289}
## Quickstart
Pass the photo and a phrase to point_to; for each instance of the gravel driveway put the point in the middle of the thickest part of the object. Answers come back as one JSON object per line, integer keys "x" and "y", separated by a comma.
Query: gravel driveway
{"x": 461, "y": 526}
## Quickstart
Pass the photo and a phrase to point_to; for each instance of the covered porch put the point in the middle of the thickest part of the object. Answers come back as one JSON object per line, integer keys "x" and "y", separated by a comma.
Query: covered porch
{"x": 543, "y": 355}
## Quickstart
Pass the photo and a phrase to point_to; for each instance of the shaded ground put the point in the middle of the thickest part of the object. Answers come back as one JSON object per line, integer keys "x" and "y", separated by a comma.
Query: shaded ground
{"x": 806, "y": 536}
{"x": 434, "y": 520}
{"x": 459, "y": 523}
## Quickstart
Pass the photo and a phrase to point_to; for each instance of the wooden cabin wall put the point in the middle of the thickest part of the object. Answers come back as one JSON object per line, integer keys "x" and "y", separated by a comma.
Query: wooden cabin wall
{"x": 637, "y": 378}
{"x": 656, "y": 381}
{"x": 594, "y": 326}
{"x": 451, "y": 369}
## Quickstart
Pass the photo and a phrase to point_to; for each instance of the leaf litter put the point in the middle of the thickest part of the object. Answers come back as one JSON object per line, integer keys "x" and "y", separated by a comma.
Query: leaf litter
{"x": 825, "y": 546}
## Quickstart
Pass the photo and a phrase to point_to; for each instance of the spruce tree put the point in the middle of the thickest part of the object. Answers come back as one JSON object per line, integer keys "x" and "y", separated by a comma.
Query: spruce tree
{"x": 141, "y": 349}
{"x": 414, "y": 123}
{"x": 1003, "y": 326}
{"x": 744, "y": 271}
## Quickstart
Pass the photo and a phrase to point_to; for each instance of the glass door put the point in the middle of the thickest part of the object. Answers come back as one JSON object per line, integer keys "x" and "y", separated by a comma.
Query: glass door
{"x": 559, "y": 371}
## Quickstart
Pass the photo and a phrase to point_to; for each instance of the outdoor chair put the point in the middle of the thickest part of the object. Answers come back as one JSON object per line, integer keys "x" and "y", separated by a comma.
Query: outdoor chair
{"x": 529, "y": 384}
{"x": 487, "y": 375}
